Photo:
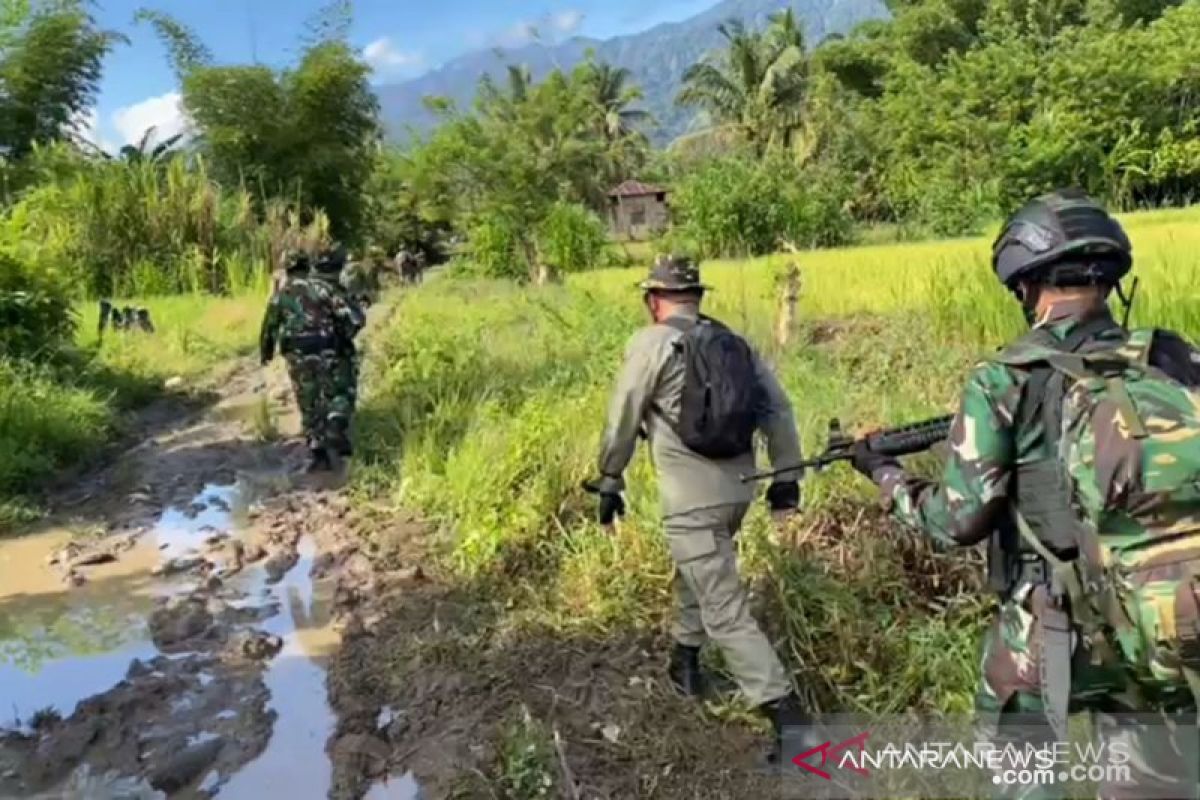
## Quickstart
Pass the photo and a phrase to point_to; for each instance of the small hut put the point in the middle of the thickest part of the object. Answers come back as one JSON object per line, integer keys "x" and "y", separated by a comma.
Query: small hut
{"x": 638, "y": 210}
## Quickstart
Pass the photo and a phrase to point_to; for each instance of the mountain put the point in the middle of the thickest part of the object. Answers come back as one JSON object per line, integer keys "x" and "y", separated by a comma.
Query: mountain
{"x": 657, "y": 58}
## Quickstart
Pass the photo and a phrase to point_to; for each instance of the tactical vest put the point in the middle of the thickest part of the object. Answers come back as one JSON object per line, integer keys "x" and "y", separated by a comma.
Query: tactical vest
{"x": 1041, "y": 488}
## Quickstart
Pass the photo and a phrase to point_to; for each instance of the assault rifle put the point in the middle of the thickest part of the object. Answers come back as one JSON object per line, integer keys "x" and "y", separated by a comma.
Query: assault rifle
{"x": 902, "y": 441}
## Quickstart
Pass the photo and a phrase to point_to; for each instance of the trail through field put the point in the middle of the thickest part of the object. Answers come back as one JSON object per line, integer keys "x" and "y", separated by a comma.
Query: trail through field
{"x": 169, "y": 634}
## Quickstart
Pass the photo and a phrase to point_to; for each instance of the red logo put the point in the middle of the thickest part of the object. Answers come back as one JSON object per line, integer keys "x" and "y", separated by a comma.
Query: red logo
{"x": 827, "y": 750}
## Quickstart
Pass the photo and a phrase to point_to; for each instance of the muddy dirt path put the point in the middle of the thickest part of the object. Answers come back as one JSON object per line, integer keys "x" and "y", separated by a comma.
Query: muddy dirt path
{"x": 168, "y": 633}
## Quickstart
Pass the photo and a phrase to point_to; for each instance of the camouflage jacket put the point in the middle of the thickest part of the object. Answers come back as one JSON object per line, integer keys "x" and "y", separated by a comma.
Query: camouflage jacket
{"x": 991, "y": 441}
{"x": 988, "y": 443}
{"x": 307, "y": 313}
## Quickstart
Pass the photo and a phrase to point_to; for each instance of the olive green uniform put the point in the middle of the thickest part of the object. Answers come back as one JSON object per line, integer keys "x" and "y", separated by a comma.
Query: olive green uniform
{"x": 703, "y": 502}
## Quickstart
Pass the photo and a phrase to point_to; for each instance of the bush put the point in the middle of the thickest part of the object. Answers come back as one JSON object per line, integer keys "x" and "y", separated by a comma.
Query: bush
{"x": 738, "y": 207}
{"x": 44, "y": 425}
{"x": 35, "y": 315}
{"x": 572, "y": 239}
{"x": 494, "y": 250}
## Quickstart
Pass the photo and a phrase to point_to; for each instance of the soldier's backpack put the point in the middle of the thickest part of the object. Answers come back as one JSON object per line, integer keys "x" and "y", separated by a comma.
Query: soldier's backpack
{"x": 722, "y": 398}
{"x": 1128, "y": 438}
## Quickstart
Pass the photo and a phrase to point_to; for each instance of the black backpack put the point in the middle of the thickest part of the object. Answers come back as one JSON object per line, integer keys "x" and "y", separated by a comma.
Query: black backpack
{"x": 722, "y": 398}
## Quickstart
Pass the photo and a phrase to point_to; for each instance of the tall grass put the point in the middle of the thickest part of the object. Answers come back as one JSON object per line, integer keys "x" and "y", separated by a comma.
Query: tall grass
{"x": 151, "y": 226}
{"x": 485, "y": 404}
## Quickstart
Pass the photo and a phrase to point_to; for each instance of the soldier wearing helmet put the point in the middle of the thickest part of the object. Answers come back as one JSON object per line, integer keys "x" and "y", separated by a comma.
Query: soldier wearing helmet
{"x": 1061, "y": 256}
{"x": 309, "y": 321}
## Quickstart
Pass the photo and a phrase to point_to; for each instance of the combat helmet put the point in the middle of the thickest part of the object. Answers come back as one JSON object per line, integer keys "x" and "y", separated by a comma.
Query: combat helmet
{"x": 1063, "y": 238}
{"x": 294, "y": 260}
{"x": 673, "y": 273}
{"x": 331, "y": 260}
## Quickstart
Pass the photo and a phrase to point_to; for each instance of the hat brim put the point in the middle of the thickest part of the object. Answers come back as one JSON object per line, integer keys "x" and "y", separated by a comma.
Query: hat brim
{"x": 649, "y": 286}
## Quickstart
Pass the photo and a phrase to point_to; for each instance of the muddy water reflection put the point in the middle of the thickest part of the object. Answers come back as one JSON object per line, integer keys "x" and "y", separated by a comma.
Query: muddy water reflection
{"x": 295, "y": 764}
{"x": 59, "y": 646}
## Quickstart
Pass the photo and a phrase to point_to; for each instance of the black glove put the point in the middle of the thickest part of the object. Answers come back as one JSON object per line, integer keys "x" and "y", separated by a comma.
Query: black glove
{"x": 784, "y": 496}
{"x": 611, "y": 506}
{"x": 869, "y": 462}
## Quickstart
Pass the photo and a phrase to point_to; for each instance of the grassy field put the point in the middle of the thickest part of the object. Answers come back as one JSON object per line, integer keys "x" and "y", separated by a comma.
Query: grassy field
{"x": 485, "y": 403}
{"x": 61, "y": 414}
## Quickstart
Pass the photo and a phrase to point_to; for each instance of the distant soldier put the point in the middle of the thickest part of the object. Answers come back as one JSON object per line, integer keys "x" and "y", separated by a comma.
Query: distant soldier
{"x": 698, "y": 392}
{"x": 360, "y": 281}
{"x": 331, "y": 265}
{"x": 309, "y": 321}
{"x": 410, "y": 264}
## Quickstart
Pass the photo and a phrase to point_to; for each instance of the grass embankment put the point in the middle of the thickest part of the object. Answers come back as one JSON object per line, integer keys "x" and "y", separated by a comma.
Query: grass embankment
{"x": 62, "y": 413}
{"x": 485, "y": 404}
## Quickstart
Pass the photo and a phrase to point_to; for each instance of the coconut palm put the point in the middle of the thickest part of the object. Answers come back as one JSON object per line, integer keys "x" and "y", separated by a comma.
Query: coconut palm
{"x": 613, "y": 94}
{"x": 757, "y": 85}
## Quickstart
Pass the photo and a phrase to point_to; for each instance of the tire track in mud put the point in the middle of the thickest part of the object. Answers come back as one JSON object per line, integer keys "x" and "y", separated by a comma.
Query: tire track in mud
{"x": 167, "y": 634}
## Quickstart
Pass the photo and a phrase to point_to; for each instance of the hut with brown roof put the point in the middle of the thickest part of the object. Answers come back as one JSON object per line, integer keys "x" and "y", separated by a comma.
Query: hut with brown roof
{"x": 638, "y": 210}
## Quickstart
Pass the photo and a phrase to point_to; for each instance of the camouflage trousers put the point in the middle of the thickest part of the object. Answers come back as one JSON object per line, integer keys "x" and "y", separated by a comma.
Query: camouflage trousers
{"x": 326, "y": 386}
{"x": 1123, "y": 707}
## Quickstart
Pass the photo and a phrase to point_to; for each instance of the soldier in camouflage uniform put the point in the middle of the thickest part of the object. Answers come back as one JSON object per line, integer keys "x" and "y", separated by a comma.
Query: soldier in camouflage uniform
{"x": 331, "y": 265}
{"x": 308, "y": 321}
{"x": 1003, "y": 482}
{"x": 361, "y": 281}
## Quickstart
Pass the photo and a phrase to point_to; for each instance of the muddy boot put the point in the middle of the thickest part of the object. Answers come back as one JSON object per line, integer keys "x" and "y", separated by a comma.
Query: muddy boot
{"x": 318, "y": 460}
{"x": 784, "y": 713}
{"x": 684, "y": 670}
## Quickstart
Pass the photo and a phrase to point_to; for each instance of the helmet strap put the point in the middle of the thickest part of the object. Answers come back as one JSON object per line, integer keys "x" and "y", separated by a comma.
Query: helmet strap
{"x": 1028, "y": 294}
{"x": 1127, "y": 300}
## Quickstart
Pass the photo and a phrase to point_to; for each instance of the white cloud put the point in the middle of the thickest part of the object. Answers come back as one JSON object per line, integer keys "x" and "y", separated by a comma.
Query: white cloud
{"x": 567, "y": 22}
{"x": 384, "y": 56}
{"x": 163, "y": 113}
{"x": 548, "y": 27}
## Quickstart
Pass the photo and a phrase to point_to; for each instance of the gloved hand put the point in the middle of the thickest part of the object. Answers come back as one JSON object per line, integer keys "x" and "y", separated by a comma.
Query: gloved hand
{"x": 611, "y": 507}
{"x": 784, "y": 496}
{"x": 868, "y": 462}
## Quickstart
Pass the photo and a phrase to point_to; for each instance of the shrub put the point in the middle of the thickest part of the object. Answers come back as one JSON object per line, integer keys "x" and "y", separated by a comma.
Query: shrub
{"x": 572, "y": 239}
{"x": 493, "y": 248}
{"x": 44, "y": 425}
{"x": 738, "y": 207}
{"x": 35, "y": 315}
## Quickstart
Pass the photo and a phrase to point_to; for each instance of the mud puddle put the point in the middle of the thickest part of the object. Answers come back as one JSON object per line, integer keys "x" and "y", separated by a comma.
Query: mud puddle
{"x": 188, "y": 659}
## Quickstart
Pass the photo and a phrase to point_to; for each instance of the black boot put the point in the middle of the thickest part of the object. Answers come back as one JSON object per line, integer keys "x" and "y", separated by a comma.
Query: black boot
{"x": 684, "y": 670}
{"x": 340, "y": 437}
{"x": 318, "y": 460}
{"x": 786, "y": 712}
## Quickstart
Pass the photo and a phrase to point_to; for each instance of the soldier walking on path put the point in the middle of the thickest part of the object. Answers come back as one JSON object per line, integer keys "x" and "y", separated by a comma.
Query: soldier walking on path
{"x": 331, "y": 266}
{"x": 309, "y": 322}
{"x": 1076, "y": 454}
{"x": 699, "y": 392}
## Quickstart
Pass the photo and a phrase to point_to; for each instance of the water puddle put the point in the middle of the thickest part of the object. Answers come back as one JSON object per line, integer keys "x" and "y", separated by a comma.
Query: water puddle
{"x": 60, "y": 645}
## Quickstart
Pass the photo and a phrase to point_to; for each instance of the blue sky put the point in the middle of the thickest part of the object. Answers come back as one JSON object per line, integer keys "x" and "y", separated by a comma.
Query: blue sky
{"x": 400, "y": 38}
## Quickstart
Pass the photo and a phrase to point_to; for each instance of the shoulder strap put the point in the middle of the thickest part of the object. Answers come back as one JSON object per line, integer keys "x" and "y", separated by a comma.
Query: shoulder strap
{"x": 681, "y": 324}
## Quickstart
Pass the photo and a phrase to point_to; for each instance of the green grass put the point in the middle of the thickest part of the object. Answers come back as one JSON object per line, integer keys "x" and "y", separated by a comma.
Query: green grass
{"x": 61, "y": 414}
{"x": 485, "y": 404}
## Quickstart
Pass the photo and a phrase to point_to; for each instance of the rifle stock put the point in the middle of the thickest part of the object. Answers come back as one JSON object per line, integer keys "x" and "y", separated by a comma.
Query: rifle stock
{"x": 901, "y": 441}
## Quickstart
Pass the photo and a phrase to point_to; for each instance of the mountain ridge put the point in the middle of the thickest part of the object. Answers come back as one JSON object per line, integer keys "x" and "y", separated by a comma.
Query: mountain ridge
{"x": 657, "y": 58}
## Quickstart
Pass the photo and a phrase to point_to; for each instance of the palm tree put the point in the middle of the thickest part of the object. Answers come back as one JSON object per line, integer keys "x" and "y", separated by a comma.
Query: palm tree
{"x": 503, "y": 103}
{"x": 145, "y": 151}
{"x": 758, "y": 85}
{"x": 612, "y": 94}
